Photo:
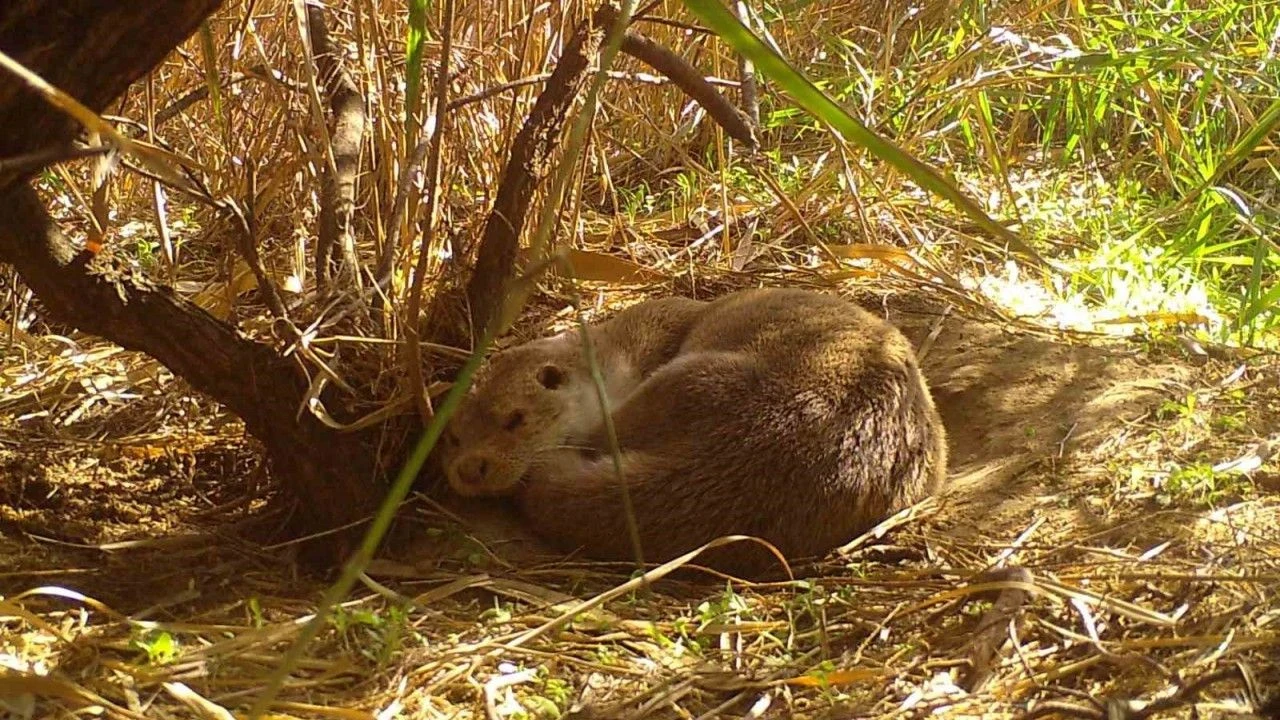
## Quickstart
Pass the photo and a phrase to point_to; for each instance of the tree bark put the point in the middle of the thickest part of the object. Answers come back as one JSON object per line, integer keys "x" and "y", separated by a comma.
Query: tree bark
{"x": 335, "y": 245}
{"x": 93, "y": 51}
{"x": 528, "y": 166}
{"x": 539, "y": 138}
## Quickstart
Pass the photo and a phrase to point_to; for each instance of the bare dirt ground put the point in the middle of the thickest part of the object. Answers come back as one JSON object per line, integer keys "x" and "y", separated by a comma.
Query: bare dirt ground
{"x": 137, "y": 571}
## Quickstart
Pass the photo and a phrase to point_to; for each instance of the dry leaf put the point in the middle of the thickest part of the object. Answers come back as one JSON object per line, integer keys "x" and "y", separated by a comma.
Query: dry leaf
{"x": 858, "y": 251}
{"x": 598, "y": 267}
{"x": 835, "y": 677}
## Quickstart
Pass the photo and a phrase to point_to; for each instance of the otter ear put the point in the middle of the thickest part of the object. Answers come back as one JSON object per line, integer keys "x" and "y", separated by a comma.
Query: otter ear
{"x": 550, "y": 376}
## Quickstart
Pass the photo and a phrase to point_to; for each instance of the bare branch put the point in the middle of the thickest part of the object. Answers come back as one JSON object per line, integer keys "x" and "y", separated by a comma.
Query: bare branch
{"x": 335, "y": 245}
{"x": 528, "y": 166}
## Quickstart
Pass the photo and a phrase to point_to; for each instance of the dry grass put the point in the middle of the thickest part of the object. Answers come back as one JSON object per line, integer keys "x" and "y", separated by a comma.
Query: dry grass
{"x": 1137, "y": 588}
{"x": 138, "y": 577}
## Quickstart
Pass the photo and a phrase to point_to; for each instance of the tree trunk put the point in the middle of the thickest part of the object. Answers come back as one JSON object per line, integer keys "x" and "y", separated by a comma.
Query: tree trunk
{"x": 93, "y": 51}
{"x": 528, "y": 165}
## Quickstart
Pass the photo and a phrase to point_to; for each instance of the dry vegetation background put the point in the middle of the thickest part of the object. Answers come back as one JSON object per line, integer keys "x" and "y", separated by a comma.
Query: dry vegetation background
{"x": 1133, "y": 479}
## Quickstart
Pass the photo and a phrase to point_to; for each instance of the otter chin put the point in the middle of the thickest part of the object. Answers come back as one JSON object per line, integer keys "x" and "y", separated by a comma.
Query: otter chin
{"x": 790, "y": 415}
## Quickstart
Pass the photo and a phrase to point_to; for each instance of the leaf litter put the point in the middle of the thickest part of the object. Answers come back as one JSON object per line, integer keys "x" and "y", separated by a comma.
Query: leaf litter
{"x": 130, "y": 582}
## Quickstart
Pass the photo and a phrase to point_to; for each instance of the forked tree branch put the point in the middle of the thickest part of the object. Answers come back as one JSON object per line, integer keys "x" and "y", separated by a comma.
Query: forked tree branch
{"x": 539, "y": 137}
{"x": 528, "y": 166}
{"x": 93, "y": 51}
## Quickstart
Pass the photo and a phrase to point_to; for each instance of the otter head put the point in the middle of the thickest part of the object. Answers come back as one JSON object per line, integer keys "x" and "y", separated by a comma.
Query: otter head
{"x": 524, "y": 404}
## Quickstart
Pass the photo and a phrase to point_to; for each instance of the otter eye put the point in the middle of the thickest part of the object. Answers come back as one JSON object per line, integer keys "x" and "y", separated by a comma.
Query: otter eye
{"x": 514, "y": 420}
{"x": 550, "y": 377}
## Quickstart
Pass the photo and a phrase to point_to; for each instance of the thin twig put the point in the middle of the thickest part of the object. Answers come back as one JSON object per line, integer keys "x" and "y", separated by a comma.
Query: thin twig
{"x": 413, "y": 354}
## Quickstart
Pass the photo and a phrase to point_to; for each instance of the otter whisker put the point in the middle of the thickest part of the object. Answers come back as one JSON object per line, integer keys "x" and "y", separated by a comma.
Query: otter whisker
{"x": 574, "y": 447}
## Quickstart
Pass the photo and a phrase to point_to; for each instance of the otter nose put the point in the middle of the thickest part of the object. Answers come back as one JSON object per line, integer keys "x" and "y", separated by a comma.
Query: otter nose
{"x": 473, "y": 469}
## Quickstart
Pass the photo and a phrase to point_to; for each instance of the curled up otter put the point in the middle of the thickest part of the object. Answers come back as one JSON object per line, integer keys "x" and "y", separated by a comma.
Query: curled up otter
{"x": 791, "y": 415}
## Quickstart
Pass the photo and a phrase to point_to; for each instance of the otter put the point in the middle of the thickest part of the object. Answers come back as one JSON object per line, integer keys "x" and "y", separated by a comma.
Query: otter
{"x": 791, "y": 415}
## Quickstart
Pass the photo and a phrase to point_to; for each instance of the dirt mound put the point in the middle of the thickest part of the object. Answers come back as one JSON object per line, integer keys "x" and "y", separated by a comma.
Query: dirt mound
{"x": 1016, "y": 401}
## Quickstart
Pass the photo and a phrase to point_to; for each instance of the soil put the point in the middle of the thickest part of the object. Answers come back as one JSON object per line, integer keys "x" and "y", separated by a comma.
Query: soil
{"x": 1058, "y": 445}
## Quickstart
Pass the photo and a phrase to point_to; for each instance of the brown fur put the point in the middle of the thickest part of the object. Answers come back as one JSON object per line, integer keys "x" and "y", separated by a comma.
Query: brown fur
{"x": 790, "y": 415}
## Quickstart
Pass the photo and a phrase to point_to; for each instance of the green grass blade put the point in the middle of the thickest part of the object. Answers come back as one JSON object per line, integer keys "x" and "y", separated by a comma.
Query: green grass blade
{"x": 415, "y": 39}
{"x": 817, "y": 103}
{"x": 1266, "y": 124}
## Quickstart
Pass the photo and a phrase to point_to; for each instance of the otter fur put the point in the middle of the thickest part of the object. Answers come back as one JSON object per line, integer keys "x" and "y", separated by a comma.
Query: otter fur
{"x": 791, "y": 415}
